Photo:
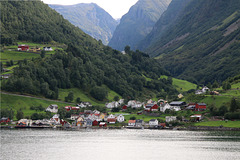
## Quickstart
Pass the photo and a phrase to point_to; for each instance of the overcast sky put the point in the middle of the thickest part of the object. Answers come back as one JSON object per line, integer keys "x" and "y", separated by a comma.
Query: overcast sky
{"x": 117, "y": 8}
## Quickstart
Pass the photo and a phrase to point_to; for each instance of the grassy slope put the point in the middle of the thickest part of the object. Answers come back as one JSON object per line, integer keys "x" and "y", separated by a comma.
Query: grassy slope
{"x": 84, "y": 97}
{"x": 24, "y": 103}
{"x": 182, "y": 85}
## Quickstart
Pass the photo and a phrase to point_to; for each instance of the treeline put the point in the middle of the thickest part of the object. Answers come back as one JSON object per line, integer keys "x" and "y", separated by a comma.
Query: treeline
{"x": 123, "y": 74}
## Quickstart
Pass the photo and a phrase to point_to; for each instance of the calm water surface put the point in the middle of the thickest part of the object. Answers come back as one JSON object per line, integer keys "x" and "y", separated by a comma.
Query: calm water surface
{"x": 119, "y": 145}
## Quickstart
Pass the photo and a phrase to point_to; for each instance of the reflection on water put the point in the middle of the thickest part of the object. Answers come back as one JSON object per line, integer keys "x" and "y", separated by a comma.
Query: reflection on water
{"x": 119, "y": 145}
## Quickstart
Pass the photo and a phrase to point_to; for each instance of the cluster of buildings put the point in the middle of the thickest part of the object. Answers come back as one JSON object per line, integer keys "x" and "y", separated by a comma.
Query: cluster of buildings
{"x": 24, "y": 47}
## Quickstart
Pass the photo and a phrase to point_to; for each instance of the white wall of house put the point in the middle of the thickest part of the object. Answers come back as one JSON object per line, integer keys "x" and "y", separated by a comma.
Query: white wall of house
{"x": 120, "y": 118}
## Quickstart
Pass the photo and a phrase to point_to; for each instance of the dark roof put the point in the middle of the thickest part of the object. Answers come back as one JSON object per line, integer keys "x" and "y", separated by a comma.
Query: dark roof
{"x": 139, "y": 121}
{"x": 201, "y": 104}
{"x": 176, "y": 102}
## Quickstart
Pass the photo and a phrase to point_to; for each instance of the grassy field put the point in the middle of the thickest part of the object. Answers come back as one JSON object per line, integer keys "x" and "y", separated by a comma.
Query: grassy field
{"x": 24, "y": 103}
{"x": 235, "y": 86}
{"x": 232, "y": 124}
{"x": 182, "y": 85}
{"x": 17, "y": 55}
{"x": 218, "y": 101}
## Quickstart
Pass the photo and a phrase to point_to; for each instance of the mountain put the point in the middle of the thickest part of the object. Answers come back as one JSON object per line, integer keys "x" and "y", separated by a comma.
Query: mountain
{"x": 201, "y": 44}
{"x": 137, "y": 23}
{"x": 91, "y": 18}
{"x": 85, "y": 64}
{"x": 167, "y": 19}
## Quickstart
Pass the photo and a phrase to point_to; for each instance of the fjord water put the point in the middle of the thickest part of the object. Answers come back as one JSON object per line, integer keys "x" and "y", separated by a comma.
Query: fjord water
{"x": 119, "y": 145}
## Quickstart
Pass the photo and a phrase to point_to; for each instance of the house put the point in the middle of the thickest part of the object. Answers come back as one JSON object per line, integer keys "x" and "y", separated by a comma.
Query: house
{"x": 74, "y": 116}
{"x": 124, "y": 108}
{"x": 102, "y": 116}
{"x": 120, "y": 118}
{"x": 95, "y": 123}
{"x": 35, "y": 49}
{"x": 111, "y": 105}
{"x": 47, "y": 49}
{"x": 196, "y": 117}
{"x": 171, "y": 118}
{"x": 177, "y": 105}
{"x": 163, "y": 125}
{"x": 68, "y": 108}
{"x": 134, "y": 104}
{"x": 23, "y": 47}
{"x": 200, "y": 107}
{"x": 131, "y": 123}
{"x": 180, "y": 96}
{"x": 80, "y": 121}
{"x": 88, "y": 123}
{"x": 84, "y": 104}
{"x": 102, "y": 124}
{"x": 111, "y": 119}
{"x": 151, "y": 107}
{"x": 153, "y": 122}
{"x": 4, "y": 120}
{"x": 26, "y": 122}
{"x": 92, "y": 117}
{"x": 139, "y": 123}
{"x": 56, "y": 118}
{"x": 202, "y": 91}
{"x": 52, "y": 108}
{"x": 191, "y": 107}
{"x": 164, "y": 106}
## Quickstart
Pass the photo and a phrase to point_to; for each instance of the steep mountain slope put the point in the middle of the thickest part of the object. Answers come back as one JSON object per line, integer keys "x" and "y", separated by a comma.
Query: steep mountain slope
{"x": 86, "y": 64}
{"x": 91, "y": 18}
{"x": 167, "y": 19}
{"x": 137, "y": 23}
{"x": 203, "y": 43}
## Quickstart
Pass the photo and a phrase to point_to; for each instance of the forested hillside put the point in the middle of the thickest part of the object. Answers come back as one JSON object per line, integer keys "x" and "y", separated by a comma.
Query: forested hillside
{"x": 137, "y": 23}
{"x": 203, "y": 43}
{"x": 86, "y": 63}
{"x": 91, "y": 18}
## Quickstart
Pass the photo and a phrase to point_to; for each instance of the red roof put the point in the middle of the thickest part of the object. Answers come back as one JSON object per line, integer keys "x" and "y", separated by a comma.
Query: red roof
{"x": 132, "y": 121}
{"x": 124, "y": 107}
{"x": 111, "y": 119}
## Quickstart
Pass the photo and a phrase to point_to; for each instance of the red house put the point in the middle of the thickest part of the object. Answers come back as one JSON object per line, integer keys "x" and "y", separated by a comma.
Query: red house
{"x": 151, "y": 107}
{"x": 95, "y": 123}
{"x": 68, "y": 108}
{"x": 200, "y": 107}
{"x": 102, "y": 124}
{"x": 23, "y": 47}
{"x": 124, "y": 108}
{"x": 4, "y": 120}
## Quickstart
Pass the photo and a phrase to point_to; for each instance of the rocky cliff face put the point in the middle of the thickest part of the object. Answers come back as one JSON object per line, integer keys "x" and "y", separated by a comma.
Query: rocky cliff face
{"x": 91, "y": 18}
{"x": 137, "y": 23}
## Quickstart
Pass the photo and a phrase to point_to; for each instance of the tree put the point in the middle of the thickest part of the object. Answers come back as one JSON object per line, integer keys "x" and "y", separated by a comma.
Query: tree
{"x": 127, "y": 49}
{"x": 133, "y": 118}
{"x": 233, "y": 105}
{"x": 43, "y": 53}
{"x": 222, "y": 110}
{"x": 215, "y": 84}
{"x": 116, "y": 98}
{"x": 62, "y": 112}
{"x": 99, "y": 93}
{"x": 78, "y": 100}
{"x": 19, "y": 115}
{"x": 70, "y": 97}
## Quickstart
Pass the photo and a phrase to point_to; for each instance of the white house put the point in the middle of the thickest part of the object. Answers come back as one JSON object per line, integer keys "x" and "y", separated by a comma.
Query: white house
{"x": 171, "y": 118}
{"x": 111, "y": 119}
{"x": 203, "y": 90}
{"x": 120, "y": 118}
{"x": 84, "y": 104}
{"x": 56, "y": 118}
{"x": 164, "y": 106}
{"x": 135, "y": 104}
{"x": 52, "y": 108}
{"x": 47, "y": 49}
{"x": 153, "y": 122}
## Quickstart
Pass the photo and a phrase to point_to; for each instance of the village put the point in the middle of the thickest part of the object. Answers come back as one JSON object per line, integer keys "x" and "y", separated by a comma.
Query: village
{"x": 115, "y": 115}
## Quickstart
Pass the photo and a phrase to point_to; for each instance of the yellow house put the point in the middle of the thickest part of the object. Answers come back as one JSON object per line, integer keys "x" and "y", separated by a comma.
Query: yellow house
{"x": 80, "y": 121}
{"x": 102, "y": 116}
{"x": 35, "y": 49}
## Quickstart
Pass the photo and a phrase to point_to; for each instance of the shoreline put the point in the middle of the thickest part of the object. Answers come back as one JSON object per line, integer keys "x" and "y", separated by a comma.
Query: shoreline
{"x": 190, "y": 128}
